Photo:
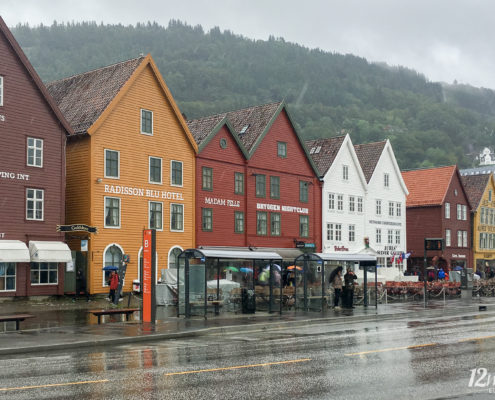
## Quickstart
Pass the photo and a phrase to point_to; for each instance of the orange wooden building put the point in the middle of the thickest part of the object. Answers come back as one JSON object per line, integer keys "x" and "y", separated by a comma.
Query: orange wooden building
{"x": 130, "y": 166}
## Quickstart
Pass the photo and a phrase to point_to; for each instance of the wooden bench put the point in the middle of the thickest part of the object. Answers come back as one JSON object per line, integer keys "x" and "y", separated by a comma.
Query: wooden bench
{"x": 15, "y": 317}
{"x": 127, "y": 311}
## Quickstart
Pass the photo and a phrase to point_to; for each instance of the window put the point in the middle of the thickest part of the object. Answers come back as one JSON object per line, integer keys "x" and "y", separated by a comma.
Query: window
{"x": 34, "y": 204}
{"x": 360, "y": 204}
{"x": 44, "y": 273}
{"x": 34, "y": 152}
{"x": 155, "y": 170}
{"x": 397, "y": 237}
{"x": 378, "y": 235}
{"x": 1, "y": 90}
{"x": 340, "y": 202}
{"x": 331, "y": 201}
{"x": 464, "y": 239}
{"x": 282, "y": 149}
{"x": 112, "y": 169}
{"x": 352, "y": 203}
{"x": 261, "y": 220}
{"x": 338, "y": 232}
{"x": 352, "y": 233}
{"x": 391, "y": 208}
{"x": 207, "y": 178}
{"x": 112, "y": 212}
{"x": 459, "y": 238}
{"x": 303, "y": 226}
{"x": 398, "y": 209}
{"x": 239, "y": 183}
{"x": 239, "y": 221}
{"x": 447, "y": 210}
{"x": 156, "y": 215}
{"x": 482, "y": 215}
{"x": 482, "y": 241}
{"x": 113, "y": 257}
{"x": 459, "y": 211}
{"x": 7, "y": 276}
{"x": 275, "y": 224}
{"x": 447, "y": 238}
{"x": 390, "y": 236}
{"x": 207, "y": 219}
{"x": 173, "y": 258}
{"x": 386, "y": 180}
{"x": 345, "y": 172}
{"x": 275, "y": 187}
{"x": 303, "y": 191}
{"x": 176, "y": 168}
{"x": 177, "y": 217}
{"x": 378, "y": 207}
{"x": 489, "y": 192}
{"x": 330, "y": 231}
{"x": 147, "y": 122}
{"x": 464, "y": 213}
{"x": 260, "y": 185}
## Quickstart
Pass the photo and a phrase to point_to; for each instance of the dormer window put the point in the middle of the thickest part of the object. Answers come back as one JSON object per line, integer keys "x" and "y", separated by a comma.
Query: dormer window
{"x": 282, "y": 149}
{"x": 345, "y": 172}
{"x": 386, "y": 180}
{"x": 244, "y": 129}
{"x": 146, "y": 122}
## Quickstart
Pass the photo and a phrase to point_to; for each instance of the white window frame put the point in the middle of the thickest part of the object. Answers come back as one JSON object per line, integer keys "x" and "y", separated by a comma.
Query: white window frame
{"x": 149, "y": 170}
{"x": 448, "y": 238}
{"x": 104, "y": 282}
{"x": 5, "y": 277}
{"x": 378, "y": 207}
{"x": 447, "y": 210}
{"x": 345, "y": 172}
{"x": 459, "y": 212}
{"x": 464, "y": 239}
{"x": 1, "y": 93}
{"x": 39, "y": 275}
{"x": 359, "y": 204}
{"x": 331, "y": 201}
{"x": 35, "y": 202}
{"x": 459, "y": 238}
{"x": 183, "y": 215}
{"x": 338, "y": 232}
{"x": 35, "y": 148}
{"x": 390, "y": 236}
{"x": 141, "y": 122}
{"x": 105, "y": 164}
{"x": 352, "y": 233}
{"x": 391, "y": 208}
{"x": 340, "y": 202}
{"x": 181, "y": 171}
{"x": 386, "y": 180}
{"x": 105, "y": 214}
{"x": 397, "y": 236}
{"x": 330, "y": 232}
{"x": 378, "y": 233}
{"x": 149, "y": 215}
{"x": 352, "y": 203}
{"x": 464, "y": 212}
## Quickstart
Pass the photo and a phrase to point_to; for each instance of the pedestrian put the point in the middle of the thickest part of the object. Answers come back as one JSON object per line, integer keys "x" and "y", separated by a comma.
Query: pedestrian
{"x": 441, "y": 274}
{"x": 349, "y": 277}
{"x": 114, "y": 284}
{"x": 336, "y": 282}
{"x": 80, "y": 286}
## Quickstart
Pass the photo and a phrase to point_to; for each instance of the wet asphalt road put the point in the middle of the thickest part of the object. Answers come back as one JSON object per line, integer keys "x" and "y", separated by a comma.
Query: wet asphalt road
{"x": 401, "y": 358}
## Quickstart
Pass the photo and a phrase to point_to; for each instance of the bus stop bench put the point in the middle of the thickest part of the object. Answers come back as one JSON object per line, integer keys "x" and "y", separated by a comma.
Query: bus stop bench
{"x": 127, "y": 311}
{"x": 15, "y": 317}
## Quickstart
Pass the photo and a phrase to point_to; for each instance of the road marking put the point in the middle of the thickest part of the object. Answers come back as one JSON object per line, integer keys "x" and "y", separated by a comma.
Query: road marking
{"x": 417, "y": 346}
{"x": 473, "y": 339}
{"x": 53, "y": 385}
{"x": 239, "y": 367}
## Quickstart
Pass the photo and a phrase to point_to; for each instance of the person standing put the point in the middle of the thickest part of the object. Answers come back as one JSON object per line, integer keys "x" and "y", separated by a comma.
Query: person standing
{"x": 349, "y": 278}
{"x": 336, "y": 281}
{"x": 80, "y": 286}
{"x": 114, "y": 284}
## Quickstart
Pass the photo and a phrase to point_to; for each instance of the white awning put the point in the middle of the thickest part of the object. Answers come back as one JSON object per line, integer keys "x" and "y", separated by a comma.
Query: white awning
{"x": 49, "y": 252}
{"x": 13, "y": 251}
{"x": 346, "y": 257}
{"x": 248, "y": 255}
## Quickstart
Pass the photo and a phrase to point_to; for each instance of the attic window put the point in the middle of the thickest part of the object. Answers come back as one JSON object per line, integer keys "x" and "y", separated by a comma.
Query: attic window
{"x": 244, "y": 129}
{"x": 312, "y": 150}
{"x": 317, "y": 149}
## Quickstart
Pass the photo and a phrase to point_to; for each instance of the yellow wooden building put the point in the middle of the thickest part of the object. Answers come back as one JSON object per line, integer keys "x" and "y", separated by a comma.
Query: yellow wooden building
{"x": 481, "y": 192}
{"x": 130, "y": 166}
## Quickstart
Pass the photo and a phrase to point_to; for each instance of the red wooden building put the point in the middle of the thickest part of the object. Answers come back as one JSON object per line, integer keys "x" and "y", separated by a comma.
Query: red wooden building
{"x": 32, "y": 179}
{"x": 256, "y": 186}
{"x": 438, "y": 207}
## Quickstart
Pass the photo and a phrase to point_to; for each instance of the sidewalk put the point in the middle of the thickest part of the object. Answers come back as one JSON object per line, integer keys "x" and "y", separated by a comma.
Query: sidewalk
{"x": 62, "y": 324}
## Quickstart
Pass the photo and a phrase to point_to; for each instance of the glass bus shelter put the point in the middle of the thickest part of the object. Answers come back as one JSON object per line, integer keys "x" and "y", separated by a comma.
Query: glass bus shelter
{"x": 218, "y": 281}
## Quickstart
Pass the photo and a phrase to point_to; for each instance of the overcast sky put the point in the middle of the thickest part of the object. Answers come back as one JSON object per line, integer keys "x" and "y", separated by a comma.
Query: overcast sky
{"x": 446, "y": 40}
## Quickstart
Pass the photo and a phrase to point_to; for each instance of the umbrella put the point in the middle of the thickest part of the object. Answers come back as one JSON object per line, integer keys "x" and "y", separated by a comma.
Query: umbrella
{"x": 110, "y": 268}
{"x": 430, "y": 267}
{"x": 458, "y": 268}
{"x": 291, "y": 267}
{"x": 230, "y": 268}
{"x": 275, "y": 265}
{"x": 246, "y": 270}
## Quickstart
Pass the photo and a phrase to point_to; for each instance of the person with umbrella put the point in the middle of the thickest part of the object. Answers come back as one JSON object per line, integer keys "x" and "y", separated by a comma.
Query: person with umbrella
{"x": 114, "y": 284}
{"x": 336, "y": 281}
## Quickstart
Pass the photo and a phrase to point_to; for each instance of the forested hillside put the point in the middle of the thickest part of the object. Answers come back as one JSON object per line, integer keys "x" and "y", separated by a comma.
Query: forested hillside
{"x": 429, "y": 124}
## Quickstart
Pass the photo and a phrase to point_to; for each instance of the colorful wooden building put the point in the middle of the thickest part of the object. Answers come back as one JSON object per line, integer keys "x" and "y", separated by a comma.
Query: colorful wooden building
{"x": 256, "y": 185}
{"x": 130, "y": 166}
{"x": 480, "y": 190}
{"x": 33, "y": 255}
{"x": 438, "y": 207}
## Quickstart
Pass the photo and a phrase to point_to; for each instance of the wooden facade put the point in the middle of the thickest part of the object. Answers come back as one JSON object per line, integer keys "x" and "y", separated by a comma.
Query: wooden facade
{"x": 29, "y": 118}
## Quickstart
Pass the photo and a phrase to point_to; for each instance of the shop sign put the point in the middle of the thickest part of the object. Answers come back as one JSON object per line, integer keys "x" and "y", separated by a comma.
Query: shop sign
{"x": 387, "y": 250}
{"x": 278, "y": 207}
{"x": 77, "y": 228}
{"x": 222, "y": 202}
{"x": 458, "y": 256}
{"x": 16, "y": 176}
{"x": 340, "y": 248}
{"x": 140, "y": 192}
{"x": 371, "y": 221}
{"x": 486, "y": 228}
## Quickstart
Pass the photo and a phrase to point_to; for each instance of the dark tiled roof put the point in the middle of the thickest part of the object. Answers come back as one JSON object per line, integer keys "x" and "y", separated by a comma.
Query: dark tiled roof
{"x": 83, "y": 98}
{"x": 474, "y": 186}
{"x": 325, "y": 156}
{"x": 255, "y": 118}
{"x": 368, "y": 155}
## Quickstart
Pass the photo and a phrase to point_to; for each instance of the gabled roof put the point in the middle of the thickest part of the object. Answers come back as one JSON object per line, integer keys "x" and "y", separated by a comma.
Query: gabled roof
{"x": 428, "y": 187}
{"x": 324, "y": 151}
{"x": 83, "y": 98}
{"x": 475, "y": 186}
{"x": 368, "y": 155}
{"x": 34, "y": 76}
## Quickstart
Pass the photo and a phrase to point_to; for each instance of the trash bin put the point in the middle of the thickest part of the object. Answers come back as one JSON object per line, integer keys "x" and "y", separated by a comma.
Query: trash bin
{"x": 248, "y": 301}
{"x": 136, "y": 286}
